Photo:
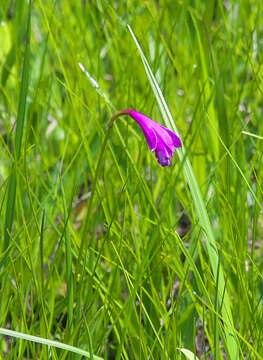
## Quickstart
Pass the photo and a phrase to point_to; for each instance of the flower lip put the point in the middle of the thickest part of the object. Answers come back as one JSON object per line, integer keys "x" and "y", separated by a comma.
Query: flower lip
{"x": 160, "y": 139}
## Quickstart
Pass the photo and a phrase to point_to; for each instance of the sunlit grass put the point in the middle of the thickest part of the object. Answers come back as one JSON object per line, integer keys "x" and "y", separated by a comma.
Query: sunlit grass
{"x": 132, "y": 260}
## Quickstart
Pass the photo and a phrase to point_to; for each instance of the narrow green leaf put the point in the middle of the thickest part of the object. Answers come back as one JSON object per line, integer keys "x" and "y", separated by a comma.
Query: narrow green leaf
{"x": 41, "y": 340}
{"x": 231, "y": 340}
{"x": 189, "y": 355}
{"x": 10, "y": 207}
{"x": 253, "y": 135}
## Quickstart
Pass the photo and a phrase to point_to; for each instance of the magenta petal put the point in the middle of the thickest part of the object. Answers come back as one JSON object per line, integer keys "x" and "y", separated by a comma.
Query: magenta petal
{"x": 163, "y": 153}
{"x": 160, "y": 139}
{"x": 162, "y": 160}
{"x": 176, "y": 140}
{"x": 151, "y": 138}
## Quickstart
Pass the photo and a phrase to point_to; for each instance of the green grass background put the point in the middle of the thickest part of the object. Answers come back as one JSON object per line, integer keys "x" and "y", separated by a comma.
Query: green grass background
{"x": 130, "y": 260}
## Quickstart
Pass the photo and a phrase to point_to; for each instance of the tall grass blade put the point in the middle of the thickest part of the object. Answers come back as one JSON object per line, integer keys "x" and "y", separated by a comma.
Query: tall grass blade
{"x": 223, "y": 297}
{"x": 47, "y": 342}
{"x": 10, "y": 205}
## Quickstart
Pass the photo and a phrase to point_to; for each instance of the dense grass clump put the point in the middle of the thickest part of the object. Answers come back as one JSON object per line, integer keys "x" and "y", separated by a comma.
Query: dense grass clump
{"x": 104, "y": 253}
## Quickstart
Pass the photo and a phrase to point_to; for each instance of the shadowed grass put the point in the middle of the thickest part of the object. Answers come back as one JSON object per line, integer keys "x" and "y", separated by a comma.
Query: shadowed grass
{"x": 11, "y": 196}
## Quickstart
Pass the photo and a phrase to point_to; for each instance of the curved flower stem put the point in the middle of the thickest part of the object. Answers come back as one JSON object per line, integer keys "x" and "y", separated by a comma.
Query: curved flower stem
{"x": 117, "y": 114}
{"x": 102, "y": 150}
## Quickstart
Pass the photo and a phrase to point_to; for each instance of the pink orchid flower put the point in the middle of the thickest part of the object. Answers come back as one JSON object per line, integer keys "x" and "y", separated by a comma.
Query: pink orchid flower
{"x": 160, "y": 139}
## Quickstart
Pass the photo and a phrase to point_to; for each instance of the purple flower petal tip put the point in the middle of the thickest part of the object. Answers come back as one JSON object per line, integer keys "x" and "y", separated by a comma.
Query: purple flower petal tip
{"x": 160, "y": 139}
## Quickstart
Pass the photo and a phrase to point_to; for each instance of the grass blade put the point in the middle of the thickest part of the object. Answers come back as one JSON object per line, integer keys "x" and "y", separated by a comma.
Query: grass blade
{"x": 47, "y": 342}
{"x": 252, "y": 135}
{"x": 231, "y": 340}
{"x": 188, "y": 354}
{"x": 10, "y": 207}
